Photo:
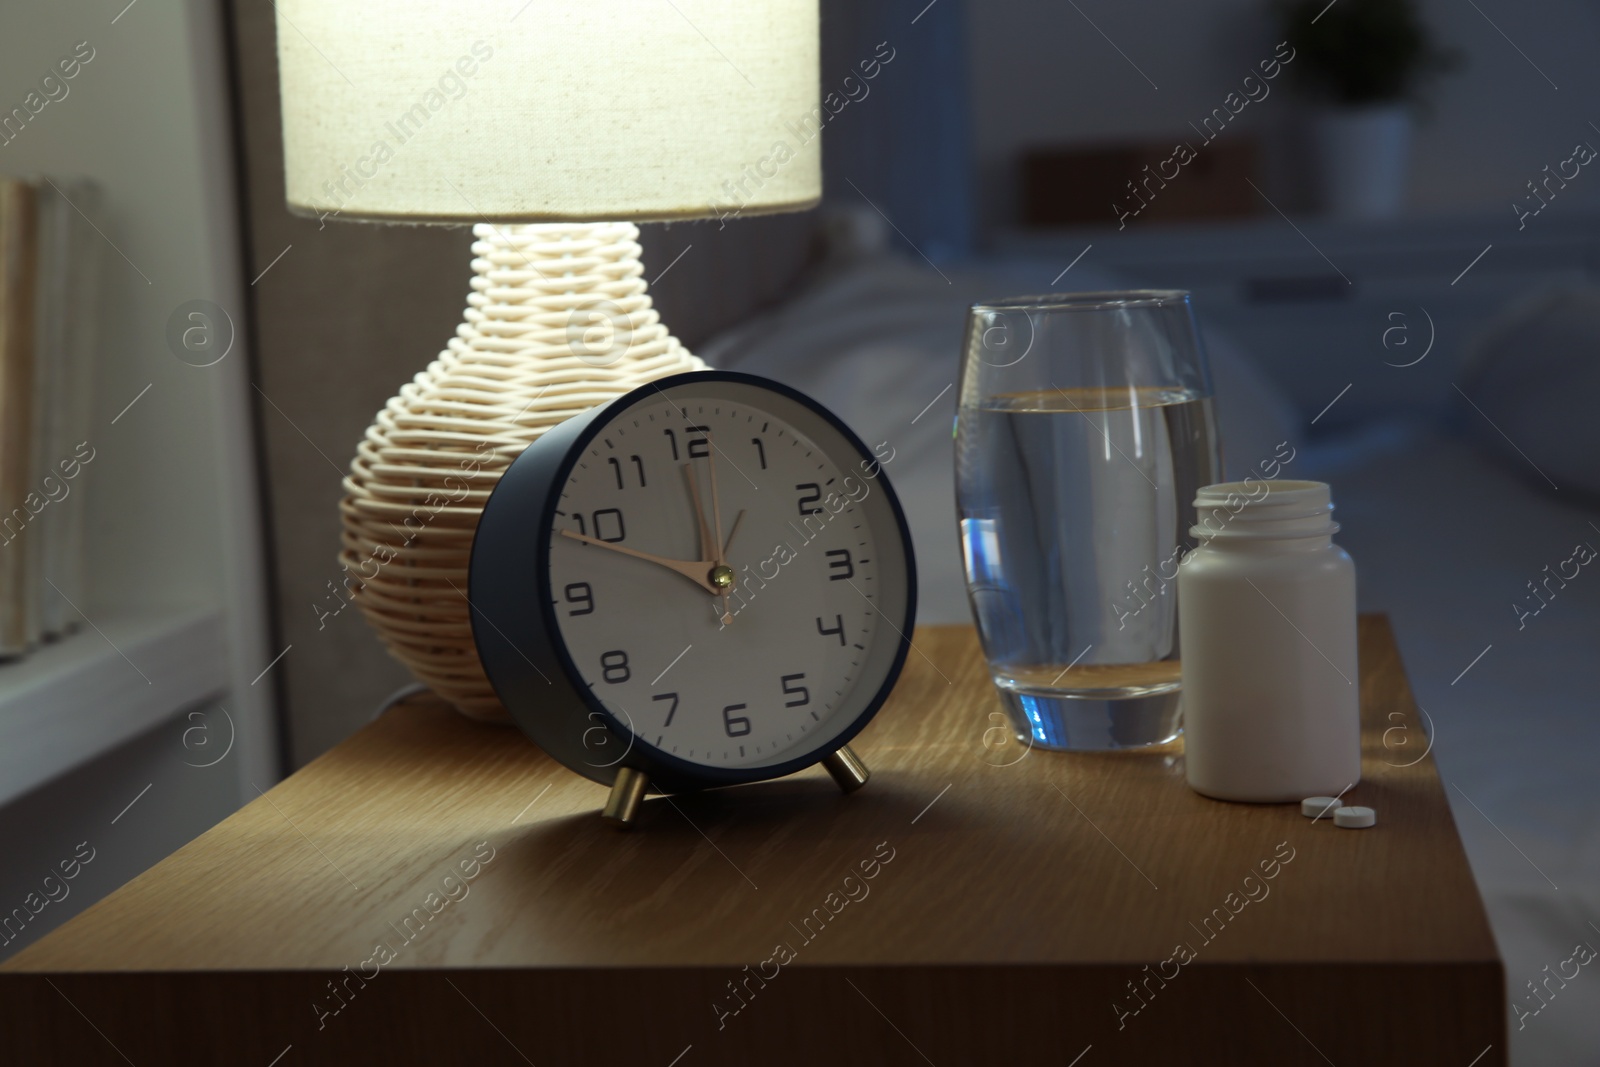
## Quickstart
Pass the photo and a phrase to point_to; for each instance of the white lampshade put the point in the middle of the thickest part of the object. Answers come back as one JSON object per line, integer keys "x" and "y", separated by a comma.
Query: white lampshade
{"x": 549, "y": 110}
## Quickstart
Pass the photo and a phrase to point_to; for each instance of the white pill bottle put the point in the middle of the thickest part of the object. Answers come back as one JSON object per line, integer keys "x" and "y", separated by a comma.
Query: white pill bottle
{"x": 1267, "y": 614}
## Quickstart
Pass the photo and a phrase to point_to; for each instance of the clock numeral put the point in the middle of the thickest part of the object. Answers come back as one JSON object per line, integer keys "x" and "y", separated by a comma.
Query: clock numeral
{"x": 814, "y": 496}
{"x": 838, "y": 628}
{"x": 842, "y": 564}
{"x": 614, "y": 514}
{"x": 735, "y": 725}
{"x": 761, "y": 450}
{"x": 797, "y": 691}
{"x": 616, "y": 468}
{"x": 580, "y": 593}
{"x": 614, "y": 666}
{"x": 672, "y": 709}
{"x": 615, "y": 517}
{"x": 699, "y": 447}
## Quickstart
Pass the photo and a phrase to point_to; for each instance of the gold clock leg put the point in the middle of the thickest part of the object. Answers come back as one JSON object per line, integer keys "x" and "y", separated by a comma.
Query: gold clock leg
{"x": 847, "y": 769}
{"x": 622, "y": 806}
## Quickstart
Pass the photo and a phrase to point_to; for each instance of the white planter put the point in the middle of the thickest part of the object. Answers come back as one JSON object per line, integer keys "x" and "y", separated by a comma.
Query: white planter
{"x": 1361, "y": 157}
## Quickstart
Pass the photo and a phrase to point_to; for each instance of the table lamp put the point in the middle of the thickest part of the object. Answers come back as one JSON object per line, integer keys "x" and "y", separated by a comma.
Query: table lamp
{"x": 552, "y": 126}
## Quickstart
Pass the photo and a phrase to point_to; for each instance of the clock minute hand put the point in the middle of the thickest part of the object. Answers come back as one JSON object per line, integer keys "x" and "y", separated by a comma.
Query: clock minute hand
{"x": 697, "y": 571}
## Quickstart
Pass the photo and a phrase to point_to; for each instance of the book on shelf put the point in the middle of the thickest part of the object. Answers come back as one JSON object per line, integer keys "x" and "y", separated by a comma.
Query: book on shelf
{"x": 19, "y": 250}
{"x": 69, "y": 262}
{"x": 48, "y": 311}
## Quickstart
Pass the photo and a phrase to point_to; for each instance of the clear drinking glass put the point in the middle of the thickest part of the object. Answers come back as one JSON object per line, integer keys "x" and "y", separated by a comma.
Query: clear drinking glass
{"x": 1084, "y": 428}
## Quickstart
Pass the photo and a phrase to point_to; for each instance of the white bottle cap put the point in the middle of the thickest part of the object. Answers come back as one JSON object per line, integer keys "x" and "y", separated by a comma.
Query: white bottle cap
{"x": 1317, "y": 807}
{"x": 1354, "y": 818}
{"x": 1236, "y": 511}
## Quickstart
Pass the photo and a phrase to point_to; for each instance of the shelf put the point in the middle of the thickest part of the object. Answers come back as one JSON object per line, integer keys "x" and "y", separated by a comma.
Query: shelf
{"x": 79, "y": 697}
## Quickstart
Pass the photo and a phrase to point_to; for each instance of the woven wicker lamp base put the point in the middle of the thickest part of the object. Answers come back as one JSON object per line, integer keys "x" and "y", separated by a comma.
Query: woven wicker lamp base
{"x": 558, "y": 321}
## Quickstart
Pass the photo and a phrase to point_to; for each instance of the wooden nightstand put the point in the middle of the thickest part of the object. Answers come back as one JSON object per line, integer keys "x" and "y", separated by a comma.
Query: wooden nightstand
{"x": 975, "y": 903}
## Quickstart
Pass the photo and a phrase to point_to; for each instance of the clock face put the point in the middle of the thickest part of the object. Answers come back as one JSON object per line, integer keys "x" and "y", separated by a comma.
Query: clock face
{"x": 728, "y": 575}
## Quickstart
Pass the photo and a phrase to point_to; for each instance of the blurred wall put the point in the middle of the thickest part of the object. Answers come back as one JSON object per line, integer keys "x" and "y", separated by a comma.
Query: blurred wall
{"x": 1042, "y": 73}
{"x": 896, "y": 72}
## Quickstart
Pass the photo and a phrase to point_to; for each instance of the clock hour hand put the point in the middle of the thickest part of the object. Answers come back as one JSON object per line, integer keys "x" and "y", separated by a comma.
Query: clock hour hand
{"x": 723, "y": 574}
{"x": 697, "y": 571}
{"x": 708, "y": 546}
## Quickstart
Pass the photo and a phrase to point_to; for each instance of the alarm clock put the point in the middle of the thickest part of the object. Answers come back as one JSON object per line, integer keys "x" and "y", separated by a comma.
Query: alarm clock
{"x": 705, "y": 582}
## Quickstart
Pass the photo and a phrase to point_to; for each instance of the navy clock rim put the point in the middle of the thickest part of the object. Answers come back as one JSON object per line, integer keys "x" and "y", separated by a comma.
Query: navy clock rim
{"x": 547, "y": 714}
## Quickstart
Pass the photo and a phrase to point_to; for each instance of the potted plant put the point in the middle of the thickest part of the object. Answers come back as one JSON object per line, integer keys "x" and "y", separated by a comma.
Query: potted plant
{"x": 1364, "y": 62}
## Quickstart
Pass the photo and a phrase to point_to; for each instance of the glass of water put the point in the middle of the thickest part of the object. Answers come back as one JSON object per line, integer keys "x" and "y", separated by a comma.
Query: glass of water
{"x": 1084, "y": 427}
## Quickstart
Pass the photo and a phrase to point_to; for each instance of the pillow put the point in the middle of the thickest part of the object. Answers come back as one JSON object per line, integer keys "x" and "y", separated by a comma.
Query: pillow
{"x": 1533, "y": 374}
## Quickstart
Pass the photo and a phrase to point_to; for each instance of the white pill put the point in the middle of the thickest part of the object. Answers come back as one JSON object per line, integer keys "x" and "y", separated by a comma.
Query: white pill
{"x": 1316, "y": 807}
{"x": 1354, "y": 818}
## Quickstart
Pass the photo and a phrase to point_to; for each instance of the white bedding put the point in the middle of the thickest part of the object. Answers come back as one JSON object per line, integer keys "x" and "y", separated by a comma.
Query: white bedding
{"x": 879, "y": 342}
{"x": 1444, "y": 537}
